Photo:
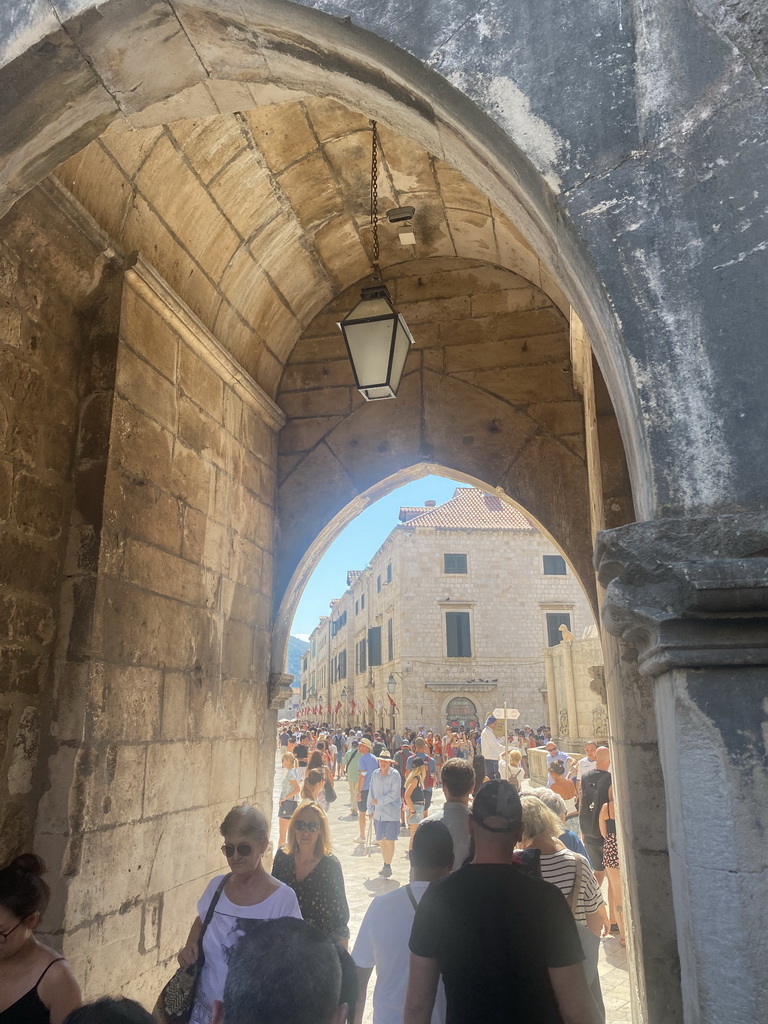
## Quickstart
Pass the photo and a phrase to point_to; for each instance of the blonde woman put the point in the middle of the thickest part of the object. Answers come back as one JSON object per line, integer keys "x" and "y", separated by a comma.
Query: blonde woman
{"x": 289, "y": 794}
{"x": 565, "y": 869}
{"x": 515, "y": 772}
{"x": 306, "y": 863}
{"x": 413, "y": 796}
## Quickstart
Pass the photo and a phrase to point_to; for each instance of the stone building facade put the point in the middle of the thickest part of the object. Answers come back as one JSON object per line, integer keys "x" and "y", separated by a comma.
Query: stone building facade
{"x": 455, "y": 607}
{"x": 588, "y": 284}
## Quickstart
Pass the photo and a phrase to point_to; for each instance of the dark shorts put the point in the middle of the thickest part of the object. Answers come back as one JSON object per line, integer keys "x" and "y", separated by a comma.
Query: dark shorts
{"x": 362, "y": 803}
{"x": 595, "y": 852}
{"x": 387, "y": 829}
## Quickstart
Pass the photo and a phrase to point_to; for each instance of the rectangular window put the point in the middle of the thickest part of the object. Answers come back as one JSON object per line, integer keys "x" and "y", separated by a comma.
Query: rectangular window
{"x": 343, "y": 664}
{"x": 554, "y": 621}
{"x": 361, "y": 656}
{"x": 357, "y": 607}
{"x": 459, "y": 644}
{"x": 390, "y": 641}
{"x": 389, "y": 572}
{"x": 455, "y": 563}
{"x": 554, "y": 565}
{"x": 374, "y": 645}
{"x": 378, "y": 584}
{"x": 362, "y": 601}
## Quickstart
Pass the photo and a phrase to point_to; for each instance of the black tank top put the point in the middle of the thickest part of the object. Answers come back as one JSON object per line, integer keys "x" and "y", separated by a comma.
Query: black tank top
{"x": 29, "y": 1009}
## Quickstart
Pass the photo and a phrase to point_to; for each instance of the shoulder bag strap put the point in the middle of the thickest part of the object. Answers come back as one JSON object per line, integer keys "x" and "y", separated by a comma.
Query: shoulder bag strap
{"x": 411, "y": 897}
{"x": 573, "y": 901}
{"x": 209, "y": 915}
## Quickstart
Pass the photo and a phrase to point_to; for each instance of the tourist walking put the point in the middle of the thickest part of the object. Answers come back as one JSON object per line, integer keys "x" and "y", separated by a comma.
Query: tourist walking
{"x": 594, "y": 793}
{"x": 384, "y": 803}
{"x": 247, "y": 893}
{"x": 351, "y": 759}
{"x": 520, "y": 954}
{"x": 307, "y": 864}
{"x": 36, "y": 984}
{"x": 380, "y": 943}
{"x": 289, "y": 794}
{"x": 414, "y": 794}
{"x": 611, "y": 861}
{"x": 366, "y": 766}
{"x": 458, "y": 780}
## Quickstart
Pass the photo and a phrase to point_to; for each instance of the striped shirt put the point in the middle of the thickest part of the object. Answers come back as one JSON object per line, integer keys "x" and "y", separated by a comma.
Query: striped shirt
{"x": 560, "y": 869}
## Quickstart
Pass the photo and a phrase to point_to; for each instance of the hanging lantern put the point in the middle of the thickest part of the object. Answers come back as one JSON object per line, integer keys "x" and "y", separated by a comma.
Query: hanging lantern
{"x": 377, "y": 340}
{"x": 376, "y": 335}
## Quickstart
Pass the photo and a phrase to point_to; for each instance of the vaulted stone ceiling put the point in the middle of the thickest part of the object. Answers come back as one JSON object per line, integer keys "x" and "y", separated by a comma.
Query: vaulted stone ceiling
{"x": 259, "y": 219}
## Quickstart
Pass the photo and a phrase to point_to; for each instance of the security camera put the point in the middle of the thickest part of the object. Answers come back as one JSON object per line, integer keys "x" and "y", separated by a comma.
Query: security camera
{"x": 400, "y": 214}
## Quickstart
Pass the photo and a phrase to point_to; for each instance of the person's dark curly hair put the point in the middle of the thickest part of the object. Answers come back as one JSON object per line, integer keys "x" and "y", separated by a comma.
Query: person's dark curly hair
{"x": 111, "y": 1011}
{"x": 22, "y": 889}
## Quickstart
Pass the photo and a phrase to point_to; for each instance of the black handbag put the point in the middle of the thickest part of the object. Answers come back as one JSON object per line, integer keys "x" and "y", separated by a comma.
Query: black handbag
{"x": 175, "y": 1002}
{"x": 330, "y": 792}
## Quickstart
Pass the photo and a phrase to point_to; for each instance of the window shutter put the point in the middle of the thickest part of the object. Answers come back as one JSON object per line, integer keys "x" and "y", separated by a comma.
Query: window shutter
{"x": 374, "y": 645}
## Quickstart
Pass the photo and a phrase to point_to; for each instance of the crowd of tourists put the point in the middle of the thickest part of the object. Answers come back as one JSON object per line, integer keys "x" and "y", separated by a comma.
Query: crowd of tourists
{"x": 503, "y": 909}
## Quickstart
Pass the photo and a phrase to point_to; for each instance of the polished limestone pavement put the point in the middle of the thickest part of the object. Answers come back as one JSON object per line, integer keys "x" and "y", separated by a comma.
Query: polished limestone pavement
{"x": 361, "y": 875}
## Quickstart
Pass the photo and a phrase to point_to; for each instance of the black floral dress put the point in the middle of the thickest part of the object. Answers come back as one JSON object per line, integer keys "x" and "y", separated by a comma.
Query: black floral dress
{"x": 321, "y": 895}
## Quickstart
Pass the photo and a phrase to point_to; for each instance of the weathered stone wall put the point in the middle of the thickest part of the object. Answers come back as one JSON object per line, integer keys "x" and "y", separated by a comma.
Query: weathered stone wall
{"x": 161, "y": 720}
{"x": 52, "y": 312}
{"x": 571, "y": 694}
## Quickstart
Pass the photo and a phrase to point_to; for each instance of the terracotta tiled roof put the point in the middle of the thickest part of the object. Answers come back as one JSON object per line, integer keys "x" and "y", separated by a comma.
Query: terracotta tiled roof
{"x": 471, "y": 509}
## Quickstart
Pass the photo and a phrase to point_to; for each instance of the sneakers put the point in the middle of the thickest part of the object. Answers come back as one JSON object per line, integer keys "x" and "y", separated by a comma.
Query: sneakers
{"x": 361, "y": 839}
{"x": 386, "y": 871}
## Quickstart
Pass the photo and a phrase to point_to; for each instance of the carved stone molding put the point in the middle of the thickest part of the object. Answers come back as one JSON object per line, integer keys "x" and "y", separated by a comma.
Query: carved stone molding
{"x": 597, "y": 682}
{"x": 279, "y": 689}
{"x": 689, "y": 593}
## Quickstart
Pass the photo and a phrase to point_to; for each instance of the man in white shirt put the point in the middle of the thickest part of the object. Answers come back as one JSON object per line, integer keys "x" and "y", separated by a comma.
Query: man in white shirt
{"x": 491, "y": 748}
{"x": 458, "y": 782}
{"x": 387, "y": 923}
{"x": 586, "y": 764}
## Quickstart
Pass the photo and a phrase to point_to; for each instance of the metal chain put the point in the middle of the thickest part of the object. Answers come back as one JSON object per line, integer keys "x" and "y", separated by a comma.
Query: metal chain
{"x": 375, "y": 198}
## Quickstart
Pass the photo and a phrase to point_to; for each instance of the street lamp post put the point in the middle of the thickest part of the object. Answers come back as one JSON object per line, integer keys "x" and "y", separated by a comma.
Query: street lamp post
{"x": 391, "y": 687}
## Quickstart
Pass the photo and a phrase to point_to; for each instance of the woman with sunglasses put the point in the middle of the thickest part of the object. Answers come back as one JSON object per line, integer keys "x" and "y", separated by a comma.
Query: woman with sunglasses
{"x": 308, "y": 866}
{"x": 36, "y": 984}
{"x": 248, "y": 893}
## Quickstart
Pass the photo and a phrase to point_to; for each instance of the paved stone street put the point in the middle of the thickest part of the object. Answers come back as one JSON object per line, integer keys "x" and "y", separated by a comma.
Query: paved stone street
{"x": 361, "y": 874}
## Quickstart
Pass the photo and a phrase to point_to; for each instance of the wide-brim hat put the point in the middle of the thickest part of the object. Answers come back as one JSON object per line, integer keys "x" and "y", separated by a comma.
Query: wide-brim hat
{"x": 384, "y": 756}
{"x": 363, "y": 742}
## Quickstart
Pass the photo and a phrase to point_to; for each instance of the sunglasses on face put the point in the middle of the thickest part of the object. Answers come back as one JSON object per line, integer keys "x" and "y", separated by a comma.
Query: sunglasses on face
{"x": 242, "y": 849}
{"x": 308, "y": 826}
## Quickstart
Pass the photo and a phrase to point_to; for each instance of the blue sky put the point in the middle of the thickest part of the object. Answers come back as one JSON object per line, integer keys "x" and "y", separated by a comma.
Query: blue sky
{"x": 355, "y": 547}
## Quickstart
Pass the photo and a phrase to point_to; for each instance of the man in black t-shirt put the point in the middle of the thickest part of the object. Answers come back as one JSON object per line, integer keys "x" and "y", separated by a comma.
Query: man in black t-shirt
{"x": 505, "y": 943}
{"x": 594, "y": 793}
{"x": 301, "y": 753}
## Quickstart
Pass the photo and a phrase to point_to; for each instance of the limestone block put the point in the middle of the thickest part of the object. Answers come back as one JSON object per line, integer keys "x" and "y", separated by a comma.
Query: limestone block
{"x": 143, "y": 231}
{"x": 301, "y": 435}
{"x": 38, "y": 506}
{"x": 268, "y": 371}
{"x": 152, "y": 569}
{"x": 330, "y": 119}
{"x": 191, "y": 478}
{"x": 559, "y": 417}
{"x": 130, "y": 149}
{"x": 100, "y": 184}
{"x": 165, "y": 47}
{"x": 115, "y": 787}
{"x": 147, "y": 390}
{"x": 435, "y": 310}
{"x": 24, "y": 752}
{"x": 149, "y": 514}
{"x": 187, "y": 848}
{"x": 26, "y": 565}
{"x": 457, "y": 192}
{"x": 201, "y": 433}
{"x": 282, "y": 139}
{"x": 140, "y": 445}
{"x": 176, "y": 777}
{"x": 320, "y": 402}
{"x": 250, "y": 758}
{"x": 224, "y": 784}
{"x": 340, "y": 249}
{"x": 246, "y": 564}
{"x": 523, "y": 384}
{"x": 148, "y": 334}
{"x": 510, "y": 300}
{"x": 173, "y": 723}
{"x": 209, "y": 144}
{"x": 473, "y": 234}
{"x": 179, "y": 910}
{"x": 200, "y": 384}
{"x": 128, "y": 706}
{"x": 310, "y": 191}
{"x": 308, "y": 376}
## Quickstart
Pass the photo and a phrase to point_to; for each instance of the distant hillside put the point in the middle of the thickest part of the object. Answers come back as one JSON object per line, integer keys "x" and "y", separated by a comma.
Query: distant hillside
{"x": 296, "y": 648}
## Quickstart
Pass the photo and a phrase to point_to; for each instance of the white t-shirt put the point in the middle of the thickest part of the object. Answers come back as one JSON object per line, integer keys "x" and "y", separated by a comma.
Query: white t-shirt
{"x": 382, "y": 942}
{"x": 455, "y": 817}
{"x": 228, "y": 924}
{"x": 584, "y": 766}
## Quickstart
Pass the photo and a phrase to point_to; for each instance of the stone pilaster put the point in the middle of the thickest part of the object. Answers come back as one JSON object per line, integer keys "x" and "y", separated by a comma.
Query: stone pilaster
{"x": 691, "y": 596}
